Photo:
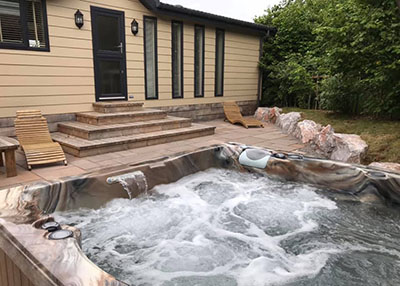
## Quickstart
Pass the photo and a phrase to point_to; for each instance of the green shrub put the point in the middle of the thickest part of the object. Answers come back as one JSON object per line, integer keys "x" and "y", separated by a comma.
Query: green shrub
{"x": 354, "y": 43}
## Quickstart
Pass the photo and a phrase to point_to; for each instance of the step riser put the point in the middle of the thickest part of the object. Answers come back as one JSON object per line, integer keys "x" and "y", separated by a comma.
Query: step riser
{"x": 95, "y": 135}
{"x": 117, "y": 106}
{"x": 119, "y": 119}
{"x": 116, "y": 109}
{"x": 137, "y": 144}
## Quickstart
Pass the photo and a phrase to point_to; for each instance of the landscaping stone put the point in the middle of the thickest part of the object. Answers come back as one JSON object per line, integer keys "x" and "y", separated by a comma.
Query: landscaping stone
{"x": 394, "y": 167}
{"x": 288, "y": 122}
{"x": 267, "y": 114}
{"x": 307, "y": 131}
{"x": 325, "y": 141}
{"x": 349, "y": 148}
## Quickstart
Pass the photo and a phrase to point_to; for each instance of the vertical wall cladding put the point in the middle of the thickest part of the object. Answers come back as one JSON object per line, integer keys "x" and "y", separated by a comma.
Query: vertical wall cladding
{"x": 62, "y": 80}
{"x": 10, "y": 274}
{"x": 241, "y": 66}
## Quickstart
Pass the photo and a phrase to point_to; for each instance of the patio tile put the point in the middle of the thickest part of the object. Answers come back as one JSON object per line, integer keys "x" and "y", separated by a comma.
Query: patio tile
{"x": 127, "y": 159}
{"x": 109, "y": 163}
{"x": 51, "y": 173}
{"x": 102, "y": 157}
{"x": 124, "y": 153}
{"x": 24, "y": 176}
{"x": 152, "y": 149}
{"x": 85, "y": 164}
{"x": 176, "y": 149}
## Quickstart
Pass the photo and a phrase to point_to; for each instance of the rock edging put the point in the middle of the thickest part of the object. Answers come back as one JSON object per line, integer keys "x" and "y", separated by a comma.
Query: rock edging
{"x": 319, "y": 139}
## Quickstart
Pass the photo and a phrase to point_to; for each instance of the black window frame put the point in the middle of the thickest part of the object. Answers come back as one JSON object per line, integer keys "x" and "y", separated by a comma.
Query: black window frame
{"x": 155, "y": 53}
{"x": 173, "y": 58}
{"x": 24, "y": 30}
{"x": 216, "y": 61}
{"x": 203, "y": 61}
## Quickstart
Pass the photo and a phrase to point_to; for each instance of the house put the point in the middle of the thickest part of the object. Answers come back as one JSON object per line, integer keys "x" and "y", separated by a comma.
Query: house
{"x": 61, "y": 56}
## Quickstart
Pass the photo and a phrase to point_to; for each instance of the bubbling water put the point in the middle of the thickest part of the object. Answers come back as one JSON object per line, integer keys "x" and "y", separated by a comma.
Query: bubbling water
{"x": 221, "y": 227}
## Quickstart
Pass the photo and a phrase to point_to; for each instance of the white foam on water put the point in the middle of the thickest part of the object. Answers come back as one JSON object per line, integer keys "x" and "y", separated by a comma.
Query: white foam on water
{"x": 216, "y": 227}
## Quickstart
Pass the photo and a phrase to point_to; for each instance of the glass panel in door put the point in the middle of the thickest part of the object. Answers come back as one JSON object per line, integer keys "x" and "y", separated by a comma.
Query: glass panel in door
{"x": 109, "y": 38}
{"x": 110, "y": 76}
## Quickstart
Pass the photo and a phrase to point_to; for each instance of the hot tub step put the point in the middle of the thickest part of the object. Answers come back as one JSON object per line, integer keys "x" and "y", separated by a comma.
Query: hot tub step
{"x": 95, "y": 132}
{"x": 117, "y": 106}
{"x": 82, "y": 148}
{"x": 97, "y": 118}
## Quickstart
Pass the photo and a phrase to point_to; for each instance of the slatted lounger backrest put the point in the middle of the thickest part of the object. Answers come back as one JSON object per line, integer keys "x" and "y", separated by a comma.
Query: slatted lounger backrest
{"x": 31, "y": 128}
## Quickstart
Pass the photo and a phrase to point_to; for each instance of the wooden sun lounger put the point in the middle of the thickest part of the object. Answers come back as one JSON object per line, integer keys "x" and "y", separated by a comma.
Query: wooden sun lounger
{"x": 233, "y": 115}
{"x": 35, "y": 140}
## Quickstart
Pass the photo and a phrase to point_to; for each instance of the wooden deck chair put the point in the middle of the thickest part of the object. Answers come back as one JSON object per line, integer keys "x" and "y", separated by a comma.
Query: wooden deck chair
{"x": 35, "y": 140}
{"x": 233, "y": 115}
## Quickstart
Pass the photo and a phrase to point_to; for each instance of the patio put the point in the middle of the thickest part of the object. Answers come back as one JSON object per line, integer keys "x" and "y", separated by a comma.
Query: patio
{"x": 270, "y": 137}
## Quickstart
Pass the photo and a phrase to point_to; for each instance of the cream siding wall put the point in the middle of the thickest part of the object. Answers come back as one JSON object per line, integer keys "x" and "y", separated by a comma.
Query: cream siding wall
{"x": 62, "y": 80}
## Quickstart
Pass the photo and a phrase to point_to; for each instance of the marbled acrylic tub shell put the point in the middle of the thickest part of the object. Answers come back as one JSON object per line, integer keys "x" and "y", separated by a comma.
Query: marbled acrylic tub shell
{"x": 61, "y": 262}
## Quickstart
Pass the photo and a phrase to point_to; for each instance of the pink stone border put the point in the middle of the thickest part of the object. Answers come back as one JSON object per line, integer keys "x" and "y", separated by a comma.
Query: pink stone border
{"x": 318, "y": 139}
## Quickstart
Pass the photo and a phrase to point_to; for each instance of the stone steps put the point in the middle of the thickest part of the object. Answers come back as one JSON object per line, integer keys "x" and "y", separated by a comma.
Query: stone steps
{"x": 117, "y": 106}
{"x": 96, "y": 132}
{"x": 118, "y": 126}
{"x": 81, "y": 147}
{"x": 98, "y": 118}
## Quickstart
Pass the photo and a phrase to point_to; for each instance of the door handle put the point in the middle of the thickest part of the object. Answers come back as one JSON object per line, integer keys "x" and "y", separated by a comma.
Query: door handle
{"x": 121, "y": 47}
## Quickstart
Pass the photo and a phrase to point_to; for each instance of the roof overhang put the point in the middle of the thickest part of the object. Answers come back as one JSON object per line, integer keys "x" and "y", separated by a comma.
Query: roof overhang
{"x": 200, "y": 17}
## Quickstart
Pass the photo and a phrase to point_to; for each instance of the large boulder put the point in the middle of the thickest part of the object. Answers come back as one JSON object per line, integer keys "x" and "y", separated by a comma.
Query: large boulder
{"x": 288, "y": 122}
{"x": 393, "y": 167}
{"x": 325, "y": 142}
{"x": 267, "y": 114}
{"x": 349, "y": 148}
{"x": 307, "y": 131}
{"x": 260, "y": 113}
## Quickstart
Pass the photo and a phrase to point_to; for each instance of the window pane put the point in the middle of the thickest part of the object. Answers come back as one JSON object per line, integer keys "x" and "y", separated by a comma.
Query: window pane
{"x": 35, "y": 24}
{"x": 199, "y": 61}
{"x": 151, "y": 58}
{"x": 110, "y": 77}
{"x": 219, "y": 69}
{"x": 108, "y": 36}
{"x": 10, "y": 22}
{"x": 177, "y": 60}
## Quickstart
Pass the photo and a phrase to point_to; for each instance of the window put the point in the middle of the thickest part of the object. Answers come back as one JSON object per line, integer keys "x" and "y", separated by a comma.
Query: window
{"x": 150, "y": 57}
{"x": 219, "y": 62}
{"x": 199, "y": 43}
{"x": 23, "y": 25}
{"x": 177, "y": 59}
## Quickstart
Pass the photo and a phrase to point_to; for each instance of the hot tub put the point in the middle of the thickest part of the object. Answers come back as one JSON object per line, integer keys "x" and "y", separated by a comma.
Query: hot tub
{"x": 222, "y": 215}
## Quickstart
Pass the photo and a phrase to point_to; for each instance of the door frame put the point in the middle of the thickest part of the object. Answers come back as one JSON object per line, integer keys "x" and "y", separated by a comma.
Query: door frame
{"x": 108, "y": 55}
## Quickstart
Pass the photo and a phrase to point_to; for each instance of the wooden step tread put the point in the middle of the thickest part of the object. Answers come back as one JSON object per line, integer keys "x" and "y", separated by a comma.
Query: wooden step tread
{"x": 102, "y": 128}
{"x": 82, "y": 144}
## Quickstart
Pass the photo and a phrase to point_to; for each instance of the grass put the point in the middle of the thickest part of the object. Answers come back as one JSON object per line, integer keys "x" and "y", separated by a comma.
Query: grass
{"x": 382, "y": 136}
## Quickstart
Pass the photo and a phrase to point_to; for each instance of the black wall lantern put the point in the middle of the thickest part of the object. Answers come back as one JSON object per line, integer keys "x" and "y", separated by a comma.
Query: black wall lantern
{"x": 78, "y": 19}
{"x": 134, "y": 27}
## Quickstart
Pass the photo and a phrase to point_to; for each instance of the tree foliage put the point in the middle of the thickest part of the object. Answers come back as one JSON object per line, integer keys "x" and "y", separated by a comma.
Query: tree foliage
{"x": 353, "y": 44}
